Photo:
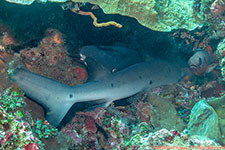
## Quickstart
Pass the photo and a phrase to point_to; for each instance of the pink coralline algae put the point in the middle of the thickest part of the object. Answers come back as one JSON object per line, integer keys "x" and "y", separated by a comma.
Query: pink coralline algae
{"x": 8, "y": 135}
{"x": 8, "y": 39}
{"x": 143, "y": 111}
{"x": 90, "y": 125}
{"x": 52, "y": 47}
{"x": 80, "y": 73}
{"x": 32, "y": 55}
{"x": 218, "y": 7}
{"x": 32, "y": 146}
{"x": 83, "y": 127}
{"x": 170, "y": 136}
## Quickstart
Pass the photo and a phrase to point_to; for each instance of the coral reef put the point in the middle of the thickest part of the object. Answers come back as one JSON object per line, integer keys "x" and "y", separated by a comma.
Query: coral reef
{"x": 23, "y": 2}
{"x": 193, "y": 40}
{"x": 21, "y": 125}
{"x": 186, "y": 115}
{"x": 221, "y": 57}
{"x": 204, "y": 121}
{"x": 145, "y": 127}
{"x": 161, "y": 15}
{"x": 5, "y": 58}
{"x": 216, "y": 104}
{"x": 45, "y": 60}
{"x": 211, "y": 13}
{"x": 165, "y": 15}
{"x": 7, "y": 39}
{"x": 161, "y": 119}
{"x": 207, "y": 119}
{"x": 15, "y": 131}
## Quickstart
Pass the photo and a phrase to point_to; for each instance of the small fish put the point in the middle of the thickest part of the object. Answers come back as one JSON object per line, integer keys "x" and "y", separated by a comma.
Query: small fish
{"x": 201, "y": 62}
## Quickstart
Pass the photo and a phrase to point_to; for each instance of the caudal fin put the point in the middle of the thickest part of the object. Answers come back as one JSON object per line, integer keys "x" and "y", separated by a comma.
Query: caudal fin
{"x": 56, "y": 113}
{"x": 52, "y": 95}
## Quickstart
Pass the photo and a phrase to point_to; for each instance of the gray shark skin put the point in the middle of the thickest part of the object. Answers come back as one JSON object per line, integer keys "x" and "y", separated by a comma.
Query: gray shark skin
{"x": 52, "y": 95}
{"x": 111, "y": 57}
{"x": 103, "y": 60}
{"x": 58, "y": 98}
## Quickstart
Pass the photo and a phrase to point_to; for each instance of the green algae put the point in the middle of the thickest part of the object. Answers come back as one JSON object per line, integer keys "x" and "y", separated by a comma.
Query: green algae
{"x": 15, "y": 131}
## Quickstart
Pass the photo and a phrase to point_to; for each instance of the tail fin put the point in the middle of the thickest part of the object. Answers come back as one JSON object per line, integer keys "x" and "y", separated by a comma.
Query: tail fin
{"x": 56, "y": 113}
{"x": 52, "y": 95}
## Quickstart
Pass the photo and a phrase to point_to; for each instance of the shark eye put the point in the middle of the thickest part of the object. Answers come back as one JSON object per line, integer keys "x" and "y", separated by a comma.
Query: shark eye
{"x": 200, "y": 62}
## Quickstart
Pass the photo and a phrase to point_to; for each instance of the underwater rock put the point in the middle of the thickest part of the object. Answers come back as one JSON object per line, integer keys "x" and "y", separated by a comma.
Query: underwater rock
{"x": 165, "y": 139}
{"x": 161, "y": 118}
{"x": 212, "y": 89}
{"x": 124, "y": 127}
{"x": 146, "y": 112}
{"x": 163, "y": 15}
{"x": 211, "y": 13}
{"x": 5, "y": 58}
{"x": 18, "y": 129}
{"x": 221, "y": 57}
{"x": 23, "y": 2}
{"x": 51, "y": 59}
{"x": 219, "y": 106}
{"x": 7, "y": 39}
{"x": 60, "y": 141}
{"x": 204, "y": 121}
{"x": 201, "y": 142}
{"x": 28, "y": 2}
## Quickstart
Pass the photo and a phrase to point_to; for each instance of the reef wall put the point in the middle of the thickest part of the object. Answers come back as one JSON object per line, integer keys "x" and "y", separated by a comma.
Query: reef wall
{"x": 161, "y": 15}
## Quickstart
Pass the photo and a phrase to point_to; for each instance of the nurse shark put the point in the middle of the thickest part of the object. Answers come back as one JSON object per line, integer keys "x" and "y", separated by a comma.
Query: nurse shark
{"x": 58, "y": 98}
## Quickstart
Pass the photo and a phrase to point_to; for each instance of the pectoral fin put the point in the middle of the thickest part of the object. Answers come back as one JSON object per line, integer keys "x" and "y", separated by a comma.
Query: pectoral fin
{"x": 99, "y": 103}
{"x": 211, "y": 67}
